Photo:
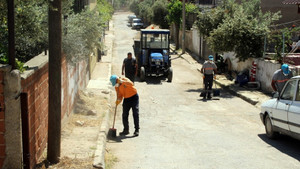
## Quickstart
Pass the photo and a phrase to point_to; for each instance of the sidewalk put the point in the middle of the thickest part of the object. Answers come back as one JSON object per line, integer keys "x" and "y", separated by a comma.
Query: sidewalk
{"x": 83, "y": 138}
{"x": 254, "y": 97}
{"x": 100, "y": 79}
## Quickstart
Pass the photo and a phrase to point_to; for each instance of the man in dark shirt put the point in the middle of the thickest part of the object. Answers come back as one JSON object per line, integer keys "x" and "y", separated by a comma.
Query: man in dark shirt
{"x": 130, "y": 67}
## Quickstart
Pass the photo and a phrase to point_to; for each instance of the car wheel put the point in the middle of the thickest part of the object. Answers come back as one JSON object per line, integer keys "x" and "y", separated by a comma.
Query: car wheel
{"x": 269, "y": 128}
{"x": 142, "y": 74}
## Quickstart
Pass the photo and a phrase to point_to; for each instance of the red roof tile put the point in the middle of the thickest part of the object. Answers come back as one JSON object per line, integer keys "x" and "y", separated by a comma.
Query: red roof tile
{"x": 291, "y": 2}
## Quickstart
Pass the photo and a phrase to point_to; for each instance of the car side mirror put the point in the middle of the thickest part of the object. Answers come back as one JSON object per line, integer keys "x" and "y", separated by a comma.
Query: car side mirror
{"x": 275, "y": 95}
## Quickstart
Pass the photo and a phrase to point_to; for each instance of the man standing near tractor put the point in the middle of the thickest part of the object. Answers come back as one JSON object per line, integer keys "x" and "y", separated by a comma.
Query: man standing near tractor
{"x": 125, "y": 89}
{"x": 209, "y": 69}
{"x": 130, "y": 67}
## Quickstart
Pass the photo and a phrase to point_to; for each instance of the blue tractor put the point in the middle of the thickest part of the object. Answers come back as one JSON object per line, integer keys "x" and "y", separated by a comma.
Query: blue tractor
{"x": 152, "y": 53}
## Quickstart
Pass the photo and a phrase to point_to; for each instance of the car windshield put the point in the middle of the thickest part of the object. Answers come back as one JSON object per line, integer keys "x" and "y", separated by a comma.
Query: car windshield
{"x": 155, "y": 41}
{"x": 136, "y": 21}
{"x": 289, "y": 90}
{"x": 298, "y": 92}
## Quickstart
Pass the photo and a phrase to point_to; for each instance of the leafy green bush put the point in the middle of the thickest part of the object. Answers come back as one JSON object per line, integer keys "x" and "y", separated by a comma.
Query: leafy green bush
{"x": 145, "y": 10}
{"x": 134, "y": 7}
{"x": 236, "y": 27}
{"x": 105, "y": 11}
{"x": 31, "y": 30}
{"x": 83, "y": 31}
{"x": 160, "y": 13}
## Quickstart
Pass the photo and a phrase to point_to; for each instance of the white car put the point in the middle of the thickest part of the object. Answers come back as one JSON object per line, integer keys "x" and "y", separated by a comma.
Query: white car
{"x": 130, "y": 19}
{"x": 137, "y": 23}
{"x": 281, "y": 115}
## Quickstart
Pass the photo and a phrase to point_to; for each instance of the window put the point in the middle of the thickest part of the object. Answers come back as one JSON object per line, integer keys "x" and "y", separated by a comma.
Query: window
{"x": 289, "y": 90}
{"x": 155, "y": 41}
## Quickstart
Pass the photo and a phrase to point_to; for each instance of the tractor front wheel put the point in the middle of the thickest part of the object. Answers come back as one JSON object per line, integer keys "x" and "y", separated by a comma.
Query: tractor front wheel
{"x": 142, "y": 74}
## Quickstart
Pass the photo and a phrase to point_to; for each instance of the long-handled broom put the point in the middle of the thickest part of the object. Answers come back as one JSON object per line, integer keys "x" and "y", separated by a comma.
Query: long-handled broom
{"x": 112, "y": 131}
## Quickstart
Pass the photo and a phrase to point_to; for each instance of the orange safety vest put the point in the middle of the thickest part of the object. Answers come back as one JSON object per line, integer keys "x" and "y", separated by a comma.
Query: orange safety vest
{"x": 125, "y": 89}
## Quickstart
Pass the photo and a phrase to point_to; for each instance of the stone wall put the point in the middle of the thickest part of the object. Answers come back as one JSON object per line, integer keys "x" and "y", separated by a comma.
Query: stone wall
{"x": 35, "y": 85}
{"x": 264, "y": 73}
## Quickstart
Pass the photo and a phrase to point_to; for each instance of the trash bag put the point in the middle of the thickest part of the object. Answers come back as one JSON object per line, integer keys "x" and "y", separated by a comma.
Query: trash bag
{"x": 242, "y": 78}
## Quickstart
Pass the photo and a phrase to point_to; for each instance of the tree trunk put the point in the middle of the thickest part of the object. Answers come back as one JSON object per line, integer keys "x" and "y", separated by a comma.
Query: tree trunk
{"x": 183, "y": 27}
{"x": 177, "y": 36}
{"x": 55, "y": 51}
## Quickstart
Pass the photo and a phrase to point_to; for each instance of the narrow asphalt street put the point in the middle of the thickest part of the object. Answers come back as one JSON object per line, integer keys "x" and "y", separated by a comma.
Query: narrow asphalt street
{"x": 181, "y": 131}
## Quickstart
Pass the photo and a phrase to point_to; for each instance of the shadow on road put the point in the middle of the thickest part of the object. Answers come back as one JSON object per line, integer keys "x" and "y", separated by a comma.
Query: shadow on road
{"x": 195, "y": 90}
{"x": 118, "y": 139}
{"x": 153, "y": 80}
{"x": 284, "y": 144}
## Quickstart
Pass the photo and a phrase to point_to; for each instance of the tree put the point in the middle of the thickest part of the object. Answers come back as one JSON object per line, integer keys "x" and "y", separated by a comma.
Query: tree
{"x": 120, "y": 3}
{"x": 145, "y": 10}
{"x": 175, "y": 11}
{"x": 134, "y": 7}
{"x": 83, "y": 31}
{"x": 30, "y": 29}
{"x": 3, "y": 32}
{"x": 160, "y": 13}
{"x": 105, "y": 11}
{"x": 236, "y": 27}
{"x": 175, "y": 15}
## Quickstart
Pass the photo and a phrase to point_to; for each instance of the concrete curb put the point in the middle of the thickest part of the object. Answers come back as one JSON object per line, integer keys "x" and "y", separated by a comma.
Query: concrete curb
{"x": 101, "y": 143}
{"x": 232, "y": 91}
{"x": 99, "y": 154}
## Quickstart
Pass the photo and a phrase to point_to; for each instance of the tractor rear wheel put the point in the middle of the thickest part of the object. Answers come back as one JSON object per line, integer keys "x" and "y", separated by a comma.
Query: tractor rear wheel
{"x": 170, "y": 74}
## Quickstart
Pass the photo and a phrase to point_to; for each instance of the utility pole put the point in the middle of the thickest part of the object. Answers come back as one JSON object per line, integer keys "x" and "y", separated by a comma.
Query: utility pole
{"x": 11, "y": 32}
{"x": 55, "y": 52}
{"x": 183, "y": 26}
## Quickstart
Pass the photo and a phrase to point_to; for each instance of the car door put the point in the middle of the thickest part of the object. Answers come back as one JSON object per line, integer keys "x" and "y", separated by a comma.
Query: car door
{"x": 279, "y": 114}
{"x": 294, "y": 111}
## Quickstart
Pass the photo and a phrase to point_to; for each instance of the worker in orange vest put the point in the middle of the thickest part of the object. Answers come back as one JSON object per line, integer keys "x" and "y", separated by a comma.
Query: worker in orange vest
{"x": 126, "y": 89}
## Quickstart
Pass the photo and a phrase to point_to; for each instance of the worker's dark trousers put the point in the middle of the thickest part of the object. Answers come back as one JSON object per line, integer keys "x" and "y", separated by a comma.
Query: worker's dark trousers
{"x": 131, "y": 77}
{"x": 128, "y": 103}
{"x": 208, "y": 82}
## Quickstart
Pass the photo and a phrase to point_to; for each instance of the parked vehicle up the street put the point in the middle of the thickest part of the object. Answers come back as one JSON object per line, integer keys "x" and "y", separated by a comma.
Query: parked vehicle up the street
{"x": 281, "y": 115}
{"x": 152, "y": 50}
{"x": 130, "y": 19}
{"x": 137, "y": 23}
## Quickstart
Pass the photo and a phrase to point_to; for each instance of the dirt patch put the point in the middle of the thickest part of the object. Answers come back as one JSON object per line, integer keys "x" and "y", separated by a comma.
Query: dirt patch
{"x": 80, "y": 134}
{"x": 110, "y": 159}
{"x": 72, "y": 163}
